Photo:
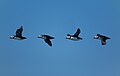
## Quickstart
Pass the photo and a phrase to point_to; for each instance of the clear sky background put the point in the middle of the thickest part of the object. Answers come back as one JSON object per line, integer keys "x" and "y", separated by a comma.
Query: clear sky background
{"x": 33, "y": 57}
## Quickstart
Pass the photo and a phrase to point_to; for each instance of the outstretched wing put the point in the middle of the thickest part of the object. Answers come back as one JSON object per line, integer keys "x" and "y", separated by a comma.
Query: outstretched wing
{"x": 49, "y": 37}
{"x": 102, "y": 36}
{"x": 77, "y": 32}
{"x": 19, "y": 31}
{"x": 48, "y": 42}
{"x": 103, "y": 41}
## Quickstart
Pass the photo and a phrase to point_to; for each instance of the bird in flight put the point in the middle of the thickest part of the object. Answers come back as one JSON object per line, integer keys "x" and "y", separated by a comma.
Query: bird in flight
{"x": 18, "y": 35}
{"x": 74, "y": 37}
{"x": 46, "y": 38}
{"x": 102, "y": 38}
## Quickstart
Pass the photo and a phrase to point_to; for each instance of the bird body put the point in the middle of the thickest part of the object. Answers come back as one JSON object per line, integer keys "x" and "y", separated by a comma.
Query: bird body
{"x": 18, "y": 35}
{"x": 75, "y": 36}
{"x": 102, "y": 38}
{"x": 46, "y": 38}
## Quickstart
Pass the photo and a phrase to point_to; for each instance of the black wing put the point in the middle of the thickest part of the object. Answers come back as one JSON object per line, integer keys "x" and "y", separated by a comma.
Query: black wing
{"x": 104, "y": 37}
{"x": 103, "y": 41}
{"x": 19, "y": 31}
{"x": 49, "y": 37}
{"x": 48, "y": 42}
{"x": 107, "y": 37}
{"x": 77, "y": 32}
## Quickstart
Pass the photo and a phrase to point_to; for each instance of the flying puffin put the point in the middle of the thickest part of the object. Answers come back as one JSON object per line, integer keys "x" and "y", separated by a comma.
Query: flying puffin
{"x": 102, "y": 38}
{"x": 18, "y": 35}
{"x": 75, "y": 36}
{"x": 46, "y": 38}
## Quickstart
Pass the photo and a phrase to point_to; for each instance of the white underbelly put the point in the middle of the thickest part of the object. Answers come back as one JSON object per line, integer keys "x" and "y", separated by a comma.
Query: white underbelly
{"x": 17, "y": 38}
{"x": 74, "y": 38}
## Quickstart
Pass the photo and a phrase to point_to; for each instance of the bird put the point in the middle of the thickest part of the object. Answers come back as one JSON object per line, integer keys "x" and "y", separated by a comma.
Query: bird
{"x": 75, "y": 36}
{"x": 18, "y": 35}
{"x": 47, "y": 39}
{"x": 102, "y": 38}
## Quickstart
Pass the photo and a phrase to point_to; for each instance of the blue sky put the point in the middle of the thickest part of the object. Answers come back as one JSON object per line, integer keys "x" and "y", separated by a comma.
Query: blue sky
{"x": 33, "y": 57}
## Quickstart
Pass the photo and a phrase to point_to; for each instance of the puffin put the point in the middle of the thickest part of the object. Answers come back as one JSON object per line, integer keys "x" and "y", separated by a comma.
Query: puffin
{"x": 74, "y": 37}
{"x": 18, "y": 35}
{"x": 46, "y": 38}
{"x": 102, "y": 38}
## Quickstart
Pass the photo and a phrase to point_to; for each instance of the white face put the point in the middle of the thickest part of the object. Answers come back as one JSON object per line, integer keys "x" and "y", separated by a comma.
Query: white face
{"x": 67, "y": 37}
{"x": 11, "y": 37}
{"x": 39, "y": 36}
{"x": 95, "y": 37}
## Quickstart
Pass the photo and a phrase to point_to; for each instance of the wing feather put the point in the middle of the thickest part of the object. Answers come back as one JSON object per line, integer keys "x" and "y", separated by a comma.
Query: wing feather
{"x": 19, "y": 31}
{"x": 77, "y": 32}
{"x": 103, "y": 41}
{"x": 48, "y": 42}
